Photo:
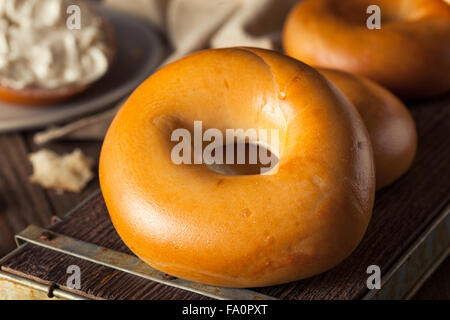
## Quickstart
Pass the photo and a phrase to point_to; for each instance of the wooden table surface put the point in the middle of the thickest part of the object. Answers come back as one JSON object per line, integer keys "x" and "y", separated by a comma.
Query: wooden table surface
{"x": 23, "y": 203}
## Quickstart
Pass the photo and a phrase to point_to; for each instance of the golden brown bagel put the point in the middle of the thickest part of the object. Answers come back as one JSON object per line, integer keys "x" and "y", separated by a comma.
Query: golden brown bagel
{"x": 244, "y": 230}
{"x": 39, "y": 96}
{"x": 34, "y": 95}
{"x": 410, "y": 54}
{"x": 390, "y": 125}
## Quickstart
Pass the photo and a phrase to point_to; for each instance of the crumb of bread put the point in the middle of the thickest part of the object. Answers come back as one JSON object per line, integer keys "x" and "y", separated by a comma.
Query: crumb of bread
{"x": 69, "y": 172}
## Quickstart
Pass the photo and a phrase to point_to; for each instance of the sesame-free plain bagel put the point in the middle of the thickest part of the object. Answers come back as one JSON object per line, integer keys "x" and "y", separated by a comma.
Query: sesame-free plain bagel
{"x": 410, "y": 54}
{"x": 46, "y": 58}
{"x": 239, "y": 230}
{"x": 391, "y": 127}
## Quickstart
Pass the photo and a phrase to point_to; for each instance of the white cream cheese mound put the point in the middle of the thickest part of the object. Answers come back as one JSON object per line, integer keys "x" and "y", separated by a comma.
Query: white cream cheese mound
{"x": 70, "y": 172}
{"x": 38, "y": 50}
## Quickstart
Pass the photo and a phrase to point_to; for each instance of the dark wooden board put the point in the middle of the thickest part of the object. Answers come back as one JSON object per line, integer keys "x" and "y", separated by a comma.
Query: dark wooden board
{"x": 23, "y": 203}
{"x": 402, "y": 211}
{"x": 90, "y": 224}
{"x": 437, "y": 287}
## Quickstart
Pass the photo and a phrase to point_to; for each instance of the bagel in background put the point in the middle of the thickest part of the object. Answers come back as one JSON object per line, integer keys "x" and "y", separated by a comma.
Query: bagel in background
{"x": 390, "y": 125}
{"x": 35, "y": 97}
{"x": 239, "y": 230}
{"x": 410, "y": 54}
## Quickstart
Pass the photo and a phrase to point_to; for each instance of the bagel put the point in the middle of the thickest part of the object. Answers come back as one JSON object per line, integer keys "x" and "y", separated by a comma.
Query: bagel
{"x": 390, "y": 125}
{"x": 55, "y": 61}
{"x": 410, "y": 54}
{"x": 239, "y": 230}
{"x": 35, "y": 97}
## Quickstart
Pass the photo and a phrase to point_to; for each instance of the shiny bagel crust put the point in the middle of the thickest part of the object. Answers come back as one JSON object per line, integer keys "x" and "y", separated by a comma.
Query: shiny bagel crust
{"x": 410, "y": 54}
{"x": 246, "y": 230}
{"x": 39, "y": 97}
{"x": 390, "y": 125}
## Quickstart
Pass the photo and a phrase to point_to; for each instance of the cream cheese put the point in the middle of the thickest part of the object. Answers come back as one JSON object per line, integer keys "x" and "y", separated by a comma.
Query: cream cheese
{"x": 38, "y": 50}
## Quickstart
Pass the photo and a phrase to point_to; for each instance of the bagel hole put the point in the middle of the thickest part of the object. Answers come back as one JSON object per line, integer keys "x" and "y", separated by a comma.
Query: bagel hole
{"x": 258, "y": 159}
{"x": 266, "y": 160}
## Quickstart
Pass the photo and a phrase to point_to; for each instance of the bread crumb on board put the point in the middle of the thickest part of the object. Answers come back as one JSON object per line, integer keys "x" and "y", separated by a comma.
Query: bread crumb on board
{"x": 68, "y": 172}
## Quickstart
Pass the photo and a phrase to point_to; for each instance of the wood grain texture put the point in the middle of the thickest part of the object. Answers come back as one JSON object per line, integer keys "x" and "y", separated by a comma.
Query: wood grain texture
{"x": 402, "y": 211}
{"x": 437, "y": 287}
{"x": 91, "y": 224}
{"x": 23, "y": 203}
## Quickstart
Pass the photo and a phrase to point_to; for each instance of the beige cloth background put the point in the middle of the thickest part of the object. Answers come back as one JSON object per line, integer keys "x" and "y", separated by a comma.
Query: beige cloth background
{"x": 190, "y": 25}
